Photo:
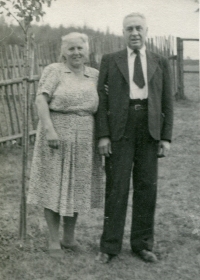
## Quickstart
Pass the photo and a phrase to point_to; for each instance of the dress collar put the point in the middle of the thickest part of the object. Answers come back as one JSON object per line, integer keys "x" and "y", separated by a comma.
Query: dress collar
{"x": 86, "y": 71}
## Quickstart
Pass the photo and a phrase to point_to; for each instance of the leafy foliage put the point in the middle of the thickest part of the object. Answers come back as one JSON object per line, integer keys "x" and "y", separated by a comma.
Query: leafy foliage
{"x": 24, "y": 11}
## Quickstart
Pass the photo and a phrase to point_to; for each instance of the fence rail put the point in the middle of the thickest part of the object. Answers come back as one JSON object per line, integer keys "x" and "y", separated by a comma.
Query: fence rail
{"x": 180, "y": 68}
{"x": 12, "y": 69}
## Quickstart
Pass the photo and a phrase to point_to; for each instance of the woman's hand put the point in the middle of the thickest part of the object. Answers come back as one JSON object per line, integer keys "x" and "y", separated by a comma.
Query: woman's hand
{"x": 106, "y": 89}
{"x": 52, "y": 138}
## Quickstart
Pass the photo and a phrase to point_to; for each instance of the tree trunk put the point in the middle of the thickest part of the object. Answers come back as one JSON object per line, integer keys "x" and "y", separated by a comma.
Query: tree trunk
{"x": 25, "y": 141}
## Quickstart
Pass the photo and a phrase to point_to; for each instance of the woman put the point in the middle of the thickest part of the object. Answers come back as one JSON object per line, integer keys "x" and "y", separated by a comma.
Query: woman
{"x": 66, "y": 171}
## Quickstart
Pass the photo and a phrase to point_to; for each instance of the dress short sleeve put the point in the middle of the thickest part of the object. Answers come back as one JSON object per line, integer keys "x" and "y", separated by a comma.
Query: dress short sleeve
{"x": 94, "y": 73}
{"x": 48, "y": 81}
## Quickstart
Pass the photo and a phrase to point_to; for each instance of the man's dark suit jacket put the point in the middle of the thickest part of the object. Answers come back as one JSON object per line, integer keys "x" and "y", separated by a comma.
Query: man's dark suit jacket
{"x": 112, "y": 113}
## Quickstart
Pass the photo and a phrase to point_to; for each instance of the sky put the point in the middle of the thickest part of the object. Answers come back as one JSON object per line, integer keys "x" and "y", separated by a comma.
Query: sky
{"x": 164, "y": 17}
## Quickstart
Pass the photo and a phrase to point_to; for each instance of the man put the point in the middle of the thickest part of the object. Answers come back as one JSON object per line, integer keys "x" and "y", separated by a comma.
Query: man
{"x": 134, "y": 126}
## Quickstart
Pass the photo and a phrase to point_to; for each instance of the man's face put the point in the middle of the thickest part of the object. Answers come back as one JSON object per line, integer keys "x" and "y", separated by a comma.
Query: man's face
{"x": 135, "y": 32}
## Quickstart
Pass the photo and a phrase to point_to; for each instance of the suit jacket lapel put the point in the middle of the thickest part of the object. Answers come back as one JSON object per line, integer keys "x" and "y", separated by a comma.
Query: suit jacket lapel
{"x": 122, "y": 63}
{"x": 152, "y": 64}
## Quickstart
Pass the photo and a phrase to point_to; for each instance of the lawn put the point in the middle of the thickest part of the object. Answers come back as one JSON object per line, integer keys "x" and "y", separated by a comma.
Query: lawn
{"x": 177, "y": 226}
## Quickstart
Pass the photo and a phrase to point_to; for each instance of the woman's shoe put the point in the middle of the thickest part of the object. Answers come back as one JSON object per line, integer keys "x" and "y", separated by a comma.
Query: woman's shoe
{"x": 56, "y": 253}
{"x": 73, "y": 247}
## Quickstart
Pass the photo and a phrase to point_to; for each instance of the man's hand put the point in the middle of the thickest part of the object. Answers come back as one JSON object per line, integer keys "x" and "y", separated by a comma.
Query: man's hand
{"x": 163, "y": 148}
{"x": 105, "y": 146}
{"x": 52, "y": 138}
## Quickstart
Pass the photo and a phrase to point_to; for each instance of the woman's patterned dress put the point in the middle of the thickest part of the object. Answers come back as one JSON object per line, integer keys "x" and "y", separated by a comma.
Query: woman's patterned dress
{"x": 68, "y": 179}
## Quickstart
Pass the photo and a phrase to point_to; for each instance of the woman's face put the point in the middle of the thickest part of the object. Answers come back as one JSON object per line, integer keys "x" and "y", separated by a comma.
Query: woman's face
{"x": 75, "y": 52}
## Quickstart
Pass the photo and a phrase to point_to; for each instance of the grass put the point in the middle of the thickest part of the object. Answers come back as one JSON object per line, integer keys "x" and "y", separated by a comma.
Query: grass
{"x": 177, "y": 228}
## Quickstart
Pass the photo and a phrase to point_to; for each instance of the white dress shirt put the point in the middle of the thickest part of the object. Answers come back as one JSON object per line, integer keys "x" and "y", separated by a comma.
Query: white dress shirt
{"x": 135, "y": 91}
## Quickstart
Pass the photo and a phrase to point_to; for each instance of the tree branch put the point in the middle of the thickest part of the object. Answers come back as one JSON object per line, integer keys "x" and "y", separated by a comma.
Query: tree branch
{"x": 14, "y": 18}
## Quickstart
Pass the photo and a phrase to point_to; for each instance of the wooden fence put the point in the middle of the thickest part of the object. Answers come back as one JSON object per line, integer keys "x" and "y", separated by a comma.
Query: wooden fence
{"x": 12, "y": 69}
{"x": 180, "y": 69}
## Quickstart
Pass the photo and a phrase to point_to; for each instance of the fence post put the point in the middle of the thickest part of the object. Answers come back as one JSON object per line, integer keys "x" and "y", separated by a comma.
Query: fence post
{"x": 180, "y": 74}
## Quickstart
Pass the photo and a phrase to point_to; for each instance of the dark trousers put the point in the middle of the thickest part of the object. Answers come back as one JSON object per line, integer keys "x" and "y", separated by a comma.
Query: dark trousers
{"x": 137, "y": 152}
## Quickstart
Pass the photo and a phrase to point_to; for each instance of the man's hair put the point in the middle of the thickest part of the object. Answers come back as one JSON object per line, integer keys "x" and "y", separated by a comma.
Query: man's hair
{"x": 73, "y": 35}
{"x": 134, "y": 15}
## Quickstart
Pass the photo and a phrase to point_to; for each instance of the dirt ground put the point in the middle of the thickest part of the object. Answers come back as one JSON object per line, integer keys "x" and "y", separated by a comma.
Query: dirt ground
{"x": 177, "y": 227}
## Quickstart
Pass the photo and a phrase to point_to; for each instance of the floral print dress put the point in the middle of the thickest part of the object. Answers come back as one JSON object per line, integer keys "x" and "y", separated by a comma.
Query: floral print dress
{"x": 68, "y": 179}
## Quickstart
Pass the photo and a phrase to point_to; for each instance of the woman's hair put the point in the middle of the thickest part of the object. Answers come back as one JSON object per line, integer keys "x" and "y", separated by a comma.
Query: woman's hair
{"x": 67, "y": 38}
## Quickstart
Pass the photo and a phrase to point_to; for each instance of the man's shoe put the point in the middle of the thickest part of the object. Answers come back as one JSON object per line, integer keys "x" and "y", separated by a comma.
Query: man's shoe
{"x": 147, "y": 256}
{"x": 104, "y": 258}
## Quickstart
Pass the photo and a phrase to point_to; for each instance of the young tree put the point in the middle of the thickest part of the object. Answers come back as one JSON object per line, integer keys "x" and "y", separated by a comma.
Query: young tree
{"x": 24, "y": 12}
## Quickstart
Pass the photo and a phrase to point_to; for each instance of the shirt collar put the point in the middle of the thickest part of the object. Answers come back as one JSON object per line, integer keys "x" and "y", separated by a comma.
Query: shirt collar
{"x": 142, "y": 51}
{"x": 86, "y": 70}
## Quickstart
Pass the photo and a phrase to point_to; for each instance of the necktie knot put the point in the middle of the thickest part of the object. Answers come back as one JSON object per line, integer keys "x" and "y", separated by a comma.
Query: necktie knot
{"x": 136, "y": 51}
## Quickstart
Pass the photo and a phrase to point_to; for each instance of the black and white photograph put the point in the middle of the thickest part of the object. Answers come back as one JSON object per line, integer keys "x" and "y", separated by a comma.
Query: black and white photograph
{"x": 99, "y": 140}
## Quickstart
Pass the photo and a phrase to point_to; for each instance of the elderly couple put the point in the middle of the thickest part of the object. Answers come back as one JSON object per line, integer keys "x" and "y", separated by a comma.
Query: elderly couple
{"x": 129, "y": 103}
